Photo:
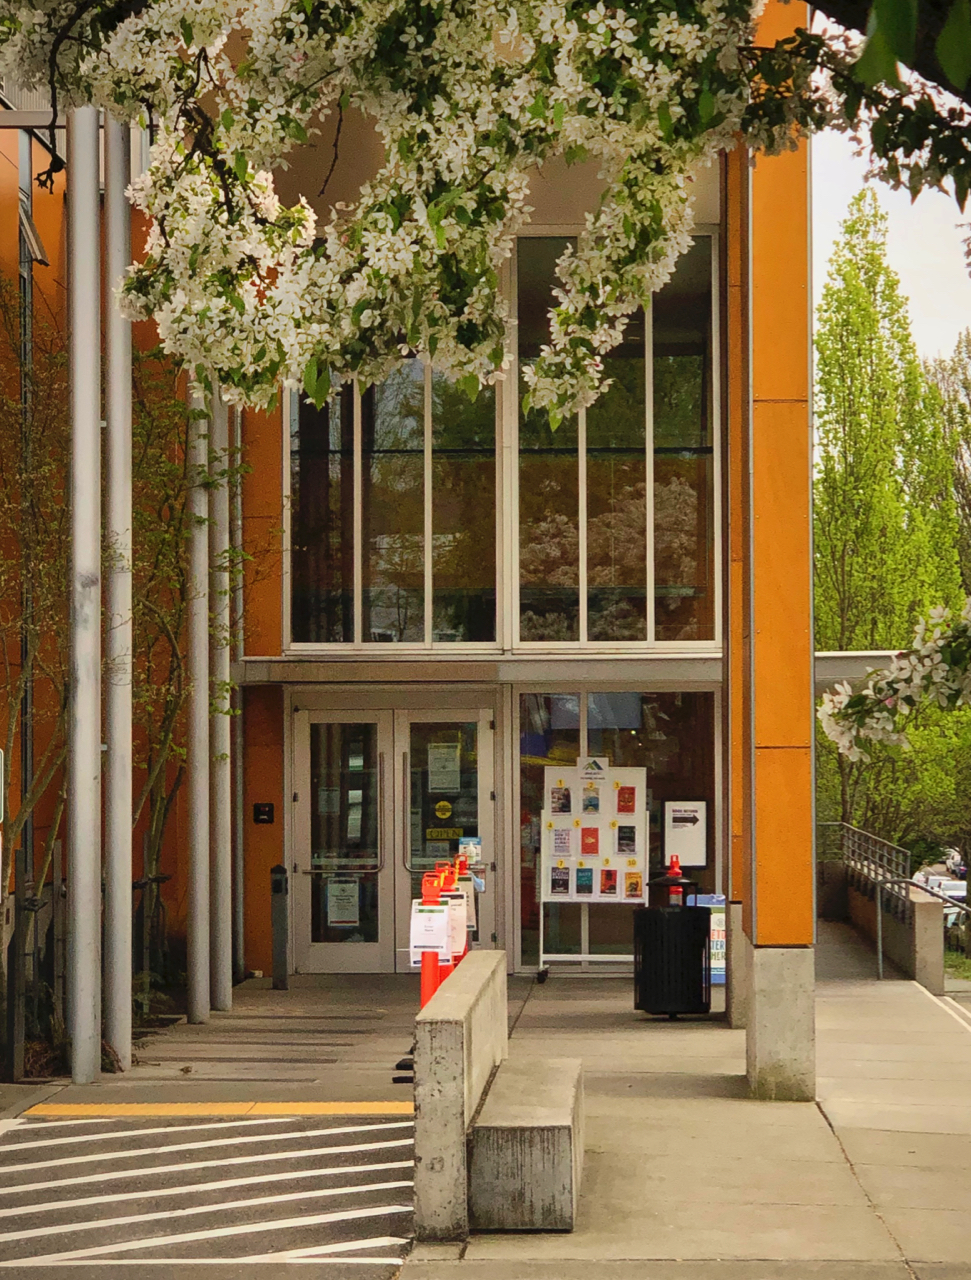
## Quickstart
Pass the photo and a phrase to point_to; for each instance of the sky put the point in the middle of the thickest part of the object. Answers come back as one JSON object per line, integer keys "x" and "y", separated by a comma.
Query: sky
{"x": 924, "y": 243}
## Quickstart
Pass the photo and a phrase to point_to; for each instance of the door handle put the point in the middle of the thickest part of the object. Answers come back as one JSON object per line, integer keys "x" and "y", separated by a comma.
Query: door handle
{"x": 382, "y": 801}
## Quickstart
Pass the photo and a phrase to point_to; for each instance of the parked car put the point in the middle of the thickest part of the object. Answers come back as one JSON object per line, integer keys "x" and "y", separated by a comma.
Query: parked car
{"x": 954, "y": 862}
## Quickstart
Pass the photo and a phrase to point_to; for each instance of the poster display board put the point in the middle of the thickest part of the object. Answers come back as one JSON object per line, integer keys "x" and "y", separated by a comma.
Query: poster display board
{"x": 594, "y": 834}
{"x": 686, "y": 832}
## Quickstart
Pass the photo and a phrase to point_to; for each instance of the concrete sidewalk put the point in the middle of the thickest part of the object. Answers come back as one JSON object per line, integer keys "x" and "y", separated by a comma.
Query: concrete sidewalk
{"x": 686, "y": 1178}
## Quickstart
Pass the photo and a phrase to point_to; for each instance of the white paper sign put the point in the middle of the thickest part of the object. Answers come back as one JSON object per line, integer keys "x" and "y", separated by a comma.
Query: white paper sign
{"x": 686, "y": 832}
{"x": 445, "y": 766}
{"x": 343, "y": 904}
{"x": 429, "y": 930}
{"x": 457, "y": 921}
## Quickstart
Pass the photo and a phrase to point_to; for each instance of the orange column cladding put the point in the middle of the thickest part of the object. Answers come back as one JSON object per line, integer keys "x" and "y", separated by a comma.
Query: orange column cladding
{"x": 781, "y": 669}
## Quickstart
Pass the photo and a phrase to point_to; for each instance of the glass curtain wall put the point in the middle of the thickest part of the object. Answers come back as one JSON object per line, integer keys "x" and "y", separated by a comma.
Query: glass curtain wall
{"x": 422, "y": 543}
{"x": 684, "y": 568}
{"x": 590, "y": 551}
{"x": 670, "y": 735}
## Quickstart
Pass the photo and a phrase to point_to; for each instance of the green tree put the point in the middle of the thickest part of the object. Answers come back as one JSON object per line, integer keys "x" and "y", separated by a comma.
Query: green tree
{"x": 886, "y": 525}
{"x": 952, "y": 377}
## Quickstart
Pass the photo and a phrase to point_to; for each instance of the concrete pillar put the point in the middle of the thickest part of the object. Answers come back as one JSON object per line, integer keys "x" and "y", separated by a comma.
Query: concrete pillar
{"x": 781, "y": 1029}
{"x": 739, "y": 961}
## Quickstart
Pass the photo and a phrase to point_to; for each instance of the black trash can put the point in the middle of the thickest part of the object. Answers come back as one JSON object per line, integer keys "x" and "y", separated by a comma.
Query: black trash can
{"x": 672, "y": 960}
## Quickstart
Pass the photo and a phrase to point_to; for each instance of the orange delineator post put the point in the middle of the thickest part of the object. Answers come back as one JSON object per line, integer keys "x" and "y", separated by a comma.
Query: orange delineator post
{"x": 431, "y": 974}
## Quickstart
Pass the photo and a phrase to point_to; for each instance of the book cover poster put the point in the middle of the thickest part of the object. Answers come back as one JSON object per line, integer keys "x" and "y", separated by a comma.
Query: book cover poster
{"x": 626, "y": 799}
{"x": 633, "y": 885}
{"x": 591, "y": 797}
{"x": 560, "y": 799}
{"x": 560, "y": 882}
{"x": 627, "y": 841}
{"x": 584, "y": 880}
{"x": 589, "y": 842}
{"x": 608, "y": 883}
{"x": 562, "y": 842}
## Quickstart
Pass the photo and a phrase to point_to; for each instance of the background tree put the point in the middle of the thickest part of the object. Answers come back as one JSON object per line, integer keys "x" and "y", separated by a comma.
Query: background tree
{"x": 886, "y": 527}
{"x": 952, "y": 377}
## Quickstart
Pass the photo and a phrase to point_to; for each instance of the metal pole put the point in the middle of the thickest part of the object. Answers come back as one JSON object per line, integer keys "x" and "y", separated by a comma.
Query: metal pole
{"x": 118, "y": 703}
{"x": 239, "y": 851}
{"x": 220, "y": 729}
{"x": 879, "y": 930}
{"x": 198, "y": 754}
{"x": 84, "y": 741}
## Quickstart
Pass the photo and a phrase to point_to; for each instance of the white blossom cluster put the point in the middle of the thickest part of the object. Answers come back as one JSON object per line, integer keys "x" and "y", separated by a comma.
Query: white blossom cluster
{"x": 468, "y": 97}
{"x": 935, "y": 672}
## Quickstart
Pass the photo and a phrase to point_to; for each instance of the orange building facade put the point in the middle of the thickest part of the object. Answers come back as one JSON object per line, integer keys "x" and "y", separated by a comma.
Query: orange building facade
{"x": 447, "y": 603}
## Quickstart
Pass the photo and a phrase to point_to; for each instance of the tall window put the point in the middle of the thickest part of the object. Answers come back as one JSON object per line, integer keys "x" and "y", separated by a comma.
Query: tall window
{"x": 598, "y": 562}
{"x": 393, "y": 514}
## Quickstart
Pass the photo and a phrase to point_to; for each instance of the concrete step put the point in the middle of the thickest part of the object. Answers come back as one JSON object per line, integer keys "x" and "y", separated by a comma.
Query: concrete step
{"x": 526, "y": 1153}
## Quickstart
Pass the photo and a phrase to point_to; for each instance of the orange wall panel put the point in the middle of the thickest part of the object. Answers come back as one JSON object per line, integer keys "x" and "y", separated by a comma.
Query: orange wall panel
{"x": 783, "y": 843}
{"x": 262, "y": 437}
{"x": 262, "y": 781}
{"x": 782, "y": 549}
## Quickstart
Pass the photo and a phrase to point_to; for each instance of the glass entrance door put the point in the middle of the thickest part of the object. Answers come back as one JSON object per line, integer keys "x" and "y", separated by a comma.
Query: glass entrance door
{"x": 381, "y": 797}
{"x": 446, "y": 793}
{"x": 343, "y": 881}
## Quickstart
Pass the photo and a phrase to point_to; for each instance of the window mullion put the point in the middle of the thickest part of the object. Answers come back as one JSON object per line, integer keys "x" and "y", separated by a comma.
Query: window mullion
{"x": 582, "y": 529}
{"x": 649, "y": 462}
{"x": 428, "y": 534}
{"x": 358, "y": 519}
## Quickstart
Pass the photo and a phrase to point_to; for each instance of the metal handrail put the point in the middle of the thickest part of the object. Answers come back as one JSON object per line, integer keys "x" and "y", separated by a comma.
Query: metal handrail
{"x": 914, "y": 884}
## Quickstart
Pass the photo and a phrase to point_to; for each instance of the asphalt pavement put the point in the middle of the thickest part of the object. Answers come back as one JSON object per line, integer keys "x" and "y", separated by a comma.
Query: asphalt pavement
{"x": 208, "y": 1197}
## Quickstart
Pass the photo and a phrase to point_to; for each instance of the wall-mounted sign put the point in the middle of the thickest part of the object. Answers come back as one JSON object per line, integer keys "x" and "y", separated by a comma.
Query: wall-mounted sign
{"x": 263, "y": 814}
{"x": 343, "y": 904}
{"x": 686, "y": 832}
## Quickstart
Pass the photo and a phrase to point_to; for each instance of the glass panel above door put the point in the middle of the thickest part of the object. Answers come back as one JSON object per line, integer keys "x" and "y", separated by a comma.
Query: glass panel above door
{"x": 345, "y": 858}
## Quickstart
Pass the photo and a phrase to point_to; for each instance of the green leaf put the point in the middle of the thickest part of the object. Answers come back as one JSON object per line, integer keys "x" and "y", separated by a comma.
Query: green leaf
{"x": 706, "y": 106}
{"x": 665, "y": 121}
{"x": 469, "y": 384}
{"x": 185, "y": 26}
{"x": 240, "y": 166}
{"x": 897, "y": 22}
{"x": 559, "y": 115}
{"x": 954, "y": 45}
{"x": 556, "y": 417}
{"x": 310, "y": 378}
{"x": 227, "y": 119}
{"x": 537, "y": 108}
{"x": 877, "y": 63}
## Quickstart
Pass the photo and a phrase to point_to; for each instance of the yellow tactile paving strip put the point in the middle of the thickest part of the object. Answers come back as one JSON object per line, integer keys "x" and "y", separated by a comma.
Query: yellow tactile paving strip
{"x": 107, "y": 1110}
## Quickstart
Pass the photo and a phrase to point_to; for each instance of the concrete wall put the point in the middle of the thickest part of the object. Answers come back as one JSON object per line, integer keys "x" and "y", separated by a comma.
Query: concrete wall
{"x": 461, "y": 1036}
{"x": 917, "y": 948}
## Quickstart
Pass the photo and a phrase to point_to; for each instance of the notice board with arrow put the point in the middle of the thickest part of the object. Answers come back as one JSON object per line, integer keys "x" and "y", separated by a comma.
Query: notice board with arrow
{"x": 686, "y": 832}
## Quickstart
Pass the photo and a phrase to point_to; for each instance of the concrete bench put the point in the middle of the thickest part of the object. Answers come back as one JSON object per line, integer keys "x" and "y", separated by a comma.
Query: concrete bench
{"x": 526, "y": 1148}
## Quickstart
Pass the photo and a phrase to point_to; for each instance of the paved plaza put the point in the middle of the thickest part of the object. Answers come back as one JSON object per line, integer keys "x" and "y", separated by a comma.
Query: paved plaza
{"x": 285, "y": 1143}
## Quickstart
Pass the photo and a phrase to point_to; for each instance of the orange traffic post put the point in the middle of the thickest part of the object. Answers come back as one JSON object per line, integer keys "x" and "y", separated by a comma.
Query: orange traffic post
{"x": 431, "y": 969}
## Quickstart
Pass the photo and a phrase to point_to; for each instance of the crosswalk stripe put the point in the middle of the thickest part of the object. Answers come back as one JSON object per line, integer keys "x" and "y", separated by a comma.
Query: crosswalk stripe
{"x": 223, "y": 1184}
{"x": 140, "y": 1133}
{"x": 192, "y": 1146}
{"x": 187, "y": 1237}
{"x": 153, "y": 1171}
{"x": 318, "y": 1193}
{"x": 210, "y": 1262}
{"x": 318, "y": 1250}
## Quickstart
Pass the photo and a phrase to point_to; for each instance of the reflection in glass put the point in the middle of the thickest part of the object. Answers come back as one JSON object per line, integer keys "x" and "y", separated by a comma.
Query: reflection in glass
{"x": 617, "y": 497}
{"x": 444, "y": 767}
{"x": 549, "y": 544}
{"x": 672, "y": 736}
{"x": 392, "y": 509}
{"x": 549, "y": 734}
{"x": 322, "y": 521}
{"x": 344, "y": 832}
{"x": 683, "y": 453}
{"x": 463, "y": 513}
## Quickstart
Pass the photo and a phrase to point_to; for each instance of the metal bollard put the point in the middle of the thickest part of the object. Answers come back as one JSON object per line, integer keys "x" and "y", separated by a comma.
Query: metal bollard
{"x": 279, "y": 899}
